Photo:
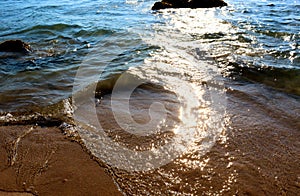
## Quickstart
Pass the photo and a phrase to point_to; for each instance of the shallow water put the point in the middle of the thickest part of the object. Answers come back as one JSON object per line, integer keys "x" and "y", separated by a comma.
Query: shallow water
{"x": 201, "y": 101}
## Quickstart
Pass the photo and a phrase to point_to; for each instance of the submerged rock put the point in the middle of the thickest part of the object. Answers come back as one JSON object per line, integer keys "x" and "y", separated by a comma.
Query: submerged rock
{"x": 188, "y": 4}
{"x": 15, "y": 46}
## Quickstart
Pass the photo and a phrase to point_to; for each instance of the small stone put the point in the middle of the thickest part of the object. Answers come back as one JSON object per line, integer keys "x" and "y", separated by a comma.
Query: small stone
{"x": 164, "y": 4}
{"x": 15, "y": 46}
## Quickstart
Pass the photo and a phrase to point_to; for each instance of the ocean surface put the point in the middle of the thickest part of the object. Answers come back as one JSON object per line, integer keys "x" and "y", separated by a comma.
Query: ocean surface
{"x": 225, "y": 83}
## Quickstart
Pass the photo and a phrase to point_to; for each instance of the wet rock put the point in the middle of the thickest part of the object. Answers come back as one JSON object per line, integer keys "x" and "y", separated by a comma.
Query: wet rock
{"x": 15, "y": 46}
{"x": 188, "y": 4}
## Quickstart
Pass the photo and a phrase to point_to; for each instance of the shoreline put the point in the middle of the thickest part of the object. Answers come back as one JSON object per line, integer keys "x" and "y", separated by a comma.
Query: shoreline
{"x": 257, "y": 154}
{"x": 38, "y": 160}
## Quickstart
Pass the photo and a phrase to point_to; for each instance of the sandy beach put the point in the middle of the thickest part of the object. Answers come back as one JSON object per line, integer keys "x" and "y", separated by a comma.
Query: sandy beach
{"x": 42, "y": 161}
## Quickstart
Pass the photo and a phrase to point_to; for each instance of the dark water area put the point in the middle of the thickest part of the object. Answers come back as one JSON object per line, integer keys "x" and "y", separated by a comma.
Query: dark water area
{"x": 174, "y": 102}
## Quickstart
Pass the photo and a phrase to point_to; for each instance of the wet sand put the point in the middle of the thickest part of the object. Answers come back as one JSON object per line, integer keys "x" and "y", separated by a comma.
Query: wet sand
{"x": 263, "y": 140}
{"x": 257, "y": 154}
{"x": 42, "y": 161}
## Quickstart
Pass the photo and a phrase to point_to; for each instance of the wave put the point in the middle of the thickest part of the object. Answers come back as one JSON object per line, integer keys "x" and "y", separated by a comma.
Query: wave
{"x": 283, "y": 79}
{"x": 44, "y": 29}
{"x": 95, "y": 32}
{"x": 52, "y": 115}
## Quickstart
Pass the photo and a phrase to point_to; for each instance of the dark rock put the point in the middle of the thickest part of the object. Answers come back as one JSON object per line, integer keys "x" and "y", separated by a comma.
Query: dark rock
{"x": 207, "y": 3}
{"x": 188, "y": 4}
{"x": 15, "y": 46}
{"x": 160, "y": 5}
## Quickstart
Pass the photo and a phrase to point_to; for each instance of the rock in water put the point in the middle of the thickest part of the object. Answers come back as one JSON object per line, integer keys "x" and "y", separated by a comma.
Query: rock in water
{"x": 188, "y": 4}
{"x": 207, "y": 3}
{"x": 170, "y": 4}
{"x": 15, "y": 46}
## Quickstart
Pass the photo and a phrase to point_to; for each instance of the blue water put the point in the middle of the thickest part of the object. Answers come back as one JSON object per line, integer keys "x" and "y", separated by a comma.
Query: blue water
{"x": 260, "y": 34}
{"x": 271, "y": 27}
